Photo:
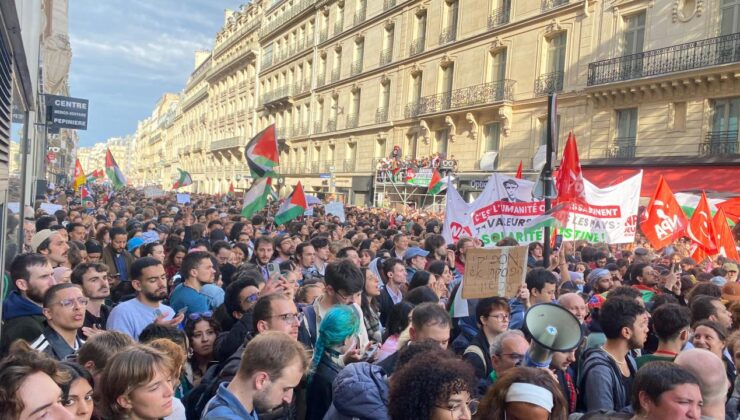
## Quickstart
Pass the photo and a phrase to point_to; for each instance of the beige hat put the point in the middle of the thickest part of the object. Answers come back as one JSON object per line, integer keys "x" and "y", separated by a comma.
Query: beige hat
{"x": 728, "y": 266}
{"x": 40, "y": 237}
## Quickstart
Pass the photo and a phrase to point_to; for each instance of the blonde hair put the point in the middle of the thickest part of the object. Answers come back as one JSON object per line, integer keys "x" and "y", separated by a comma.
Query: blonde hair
{"x": 133, "y": 367}
{"x": 174, "y": 351}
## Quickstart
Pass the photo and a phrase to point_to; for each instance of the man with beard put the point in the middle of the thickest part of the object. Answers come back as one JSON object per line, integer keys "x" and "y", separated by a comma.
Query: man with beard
{"x": 272, "y": 366}
{"x": 197, "y": 270}
{"x": 93, "y": 278}
{"x": 263, "y": 254}
{"x": 53, "y": 245}
{"x": 23, "y": 317}
{"x": 284, "y": 247}
{"x": 116, "y": 257}
{"x": 645, "y": 279}
{"x": 150, "y": 282}
{"x": 64, "y": 309}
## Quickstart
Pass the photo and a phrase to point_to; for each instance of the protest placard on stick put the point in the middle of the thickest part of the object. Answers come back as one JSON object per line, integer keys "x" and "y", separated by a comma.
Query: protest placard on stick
{"x": 494, "y": 271}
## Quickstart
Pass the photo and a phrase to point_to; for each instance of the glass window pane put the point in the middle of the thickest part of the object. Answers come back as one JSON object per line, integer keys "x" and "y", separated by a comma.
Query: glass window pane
{"x": 492, "y": 137}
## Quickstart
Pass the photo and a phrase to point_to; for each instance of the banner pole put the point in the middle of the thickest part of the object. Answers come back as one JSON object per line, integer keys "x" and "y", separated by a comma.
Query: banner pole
{"x": 547, "y": 178}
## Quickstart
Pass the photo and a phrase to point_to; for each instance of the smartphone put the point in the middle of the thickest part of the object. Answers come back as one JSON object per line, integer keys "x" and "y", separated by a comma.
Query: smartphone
{"x": 558, "y": 241}
{"x": 182, "y": 311}
{"x": 273, "y": 270}
{"x": 370, "y": 353}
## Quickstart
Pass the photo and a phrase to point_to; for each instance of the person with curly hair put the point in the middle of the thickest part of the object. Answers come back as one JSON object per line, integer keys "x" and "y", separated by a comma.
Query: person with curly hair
{"x": 433, "y": 386}
{"x": 524, "y": 393}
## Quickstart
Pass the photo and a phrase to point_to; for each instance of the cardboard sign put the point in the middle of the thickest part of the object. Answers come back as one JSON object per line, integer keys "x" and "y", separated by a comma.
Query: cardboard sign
{"x": 153, "y": 192}
{"x": 183, "y": 198}
{"x": 494, "y": 272}
{"x": 337, "y": 209}
{"x": 50, "y": 208}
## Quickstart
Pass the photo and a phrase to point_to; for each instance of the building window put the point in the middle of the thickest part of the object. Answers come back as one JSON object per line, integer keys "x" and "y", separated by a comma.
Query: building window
{"x": 730, "y": 17}
{"x": 379, "y": 148}
{"x": 358, "y": 55}
{"x": 446, "y": 82}
{"x": 386, "y": 54}
{"x": 381, "y": 114}
{"x": 420, "y": 30}
{"x": 449, "y": 22}
{"x": 552, "y": 80}
{"x": 497, "y": 69}
{"x": 626, "y": 137}
{"x": 633, "y": 38}
{"x": 493, "y": 135}
{"x": 411, "y": 146}
{"x": 441, "y": 138}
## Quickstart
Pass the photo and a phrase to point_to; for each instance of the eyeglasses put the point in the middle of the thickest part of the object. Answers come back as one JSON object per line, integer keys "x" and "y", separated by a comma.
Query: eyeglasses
{"x": 251, "y": 298}
{"x": 66, "y": 303}
{"x": 294, "y": 318}
{"x": 351, "y": 298}
{"x": 457, "y": 408}
{"x": 500, "y": 317}
{"x": 198, "y": 316}
{"x": 517, "y": 357}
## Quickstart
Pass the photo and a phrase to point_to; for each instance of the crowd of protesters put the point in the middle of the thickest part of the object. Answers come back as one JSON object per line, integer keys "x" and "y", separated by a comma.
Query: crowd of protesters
{"x": 142, "y": 308}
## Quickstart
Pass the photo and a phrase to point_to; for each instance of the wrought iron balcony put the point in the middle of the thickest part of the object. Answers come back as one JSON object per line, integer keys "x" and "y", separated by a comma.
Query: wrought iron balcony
{"x": 338, "y": 27}
{"x": 691, "y": 55}
{"x": 417, "y": 46}
{"x": 278, "y": 94}
{"x": 448, "y": 35}
{"x": 622, "y": 148}
{"x": 353, "y": 120}
{"x": 225, "y": 143}
{"x": 551, "y": 4}
{"x": 286, "y": 17}
{"x": 315, "y": 167}
{"x": 331, "y": 125}
{"x": 381, "y": 115}
{"x": 347, "y": 165}
{"x": 720, "y": 143}
{"x": 300, "y": 87}
{"x": 335, "y": 74}
{"x": 387, "y": 4}
{"x": 499, "y": 17}
{"x": 549, "y": 83}
{"x": 356, "y": 67}
{"x": 486, "y": 93}
{"x": 266, "y": 61}
{"x": 324, "y": 35}
{"x": 386, "y": 56}
{"x": 360, "y": 16}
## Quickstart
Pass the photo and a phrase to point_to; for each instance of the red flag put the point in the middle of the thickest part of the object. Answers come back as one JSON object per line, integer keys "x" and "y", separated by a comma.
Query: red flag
{"x": 725, "y": 239}
{"x": 519, "y": 171}
{"x": 701, "y": 230}
{"x": 664, "y": 220}
{"x": 731, "y": 208}
{"x": 570, "y": 178}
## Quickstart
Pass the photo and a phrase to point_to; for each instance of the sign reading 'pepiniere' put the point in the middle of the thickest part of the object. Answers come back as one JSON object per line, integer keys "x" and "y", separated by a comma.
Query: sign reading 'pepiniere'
{"x": 66, "y": 112}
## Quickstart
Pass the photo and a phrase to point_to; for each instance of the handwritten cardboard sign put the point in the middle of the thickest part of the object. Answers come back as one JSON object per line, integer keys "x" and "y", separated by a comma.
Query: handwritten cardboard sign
{"x": 494, "y": 271}
{"x": 183, "y": 198}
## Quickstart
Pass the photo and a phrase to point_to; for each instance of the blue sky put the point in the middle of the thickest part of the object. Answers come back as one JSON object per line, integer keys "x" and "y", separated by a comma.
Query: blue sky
{"x": 125, "y": 55}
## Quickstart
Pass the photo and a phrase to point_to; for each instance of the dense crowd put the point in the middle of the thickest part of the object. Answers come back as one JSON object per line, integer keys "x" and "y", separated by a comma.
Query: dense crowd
{"x": 142, "y": 308}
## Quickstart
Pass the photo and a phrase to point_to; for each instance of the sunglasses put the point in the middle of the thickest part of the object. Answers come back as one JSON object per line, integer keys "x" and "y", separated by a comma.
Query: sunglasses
{"x": 198, "y": 316}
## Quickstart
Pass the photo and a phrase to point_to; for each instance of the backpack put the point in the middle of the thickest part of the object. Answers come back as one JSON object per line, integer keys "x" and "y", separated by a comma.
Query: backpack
{"x": 477, "y": 351}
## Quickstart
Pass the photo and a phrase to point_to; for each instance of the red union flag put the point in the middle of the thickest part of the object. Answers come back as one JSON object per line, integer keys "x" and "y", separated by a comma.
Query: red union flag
{"x": 664, "y": 220}
{"x": 701, "y": 230}
{"x": 725, "y": 238}
{"x": 570, "y": 178}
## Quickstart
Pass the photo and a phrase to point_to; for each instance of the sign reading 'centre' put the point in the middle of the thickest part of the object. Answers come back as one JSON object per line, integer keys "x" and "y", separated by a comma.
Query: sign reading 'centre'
{"x": 66, "y": 112}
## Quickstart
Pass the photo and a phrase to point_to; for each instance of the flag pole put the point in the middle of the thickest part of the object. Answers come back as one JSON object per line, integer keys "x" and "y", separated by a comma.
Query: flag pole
{"x": 547, "y": 178}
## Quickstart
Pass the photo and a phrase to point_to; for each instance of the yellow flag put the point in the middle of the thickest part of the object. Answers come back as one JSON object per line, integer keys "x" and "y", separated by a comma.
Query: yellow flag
{"x": 80, "y": 178}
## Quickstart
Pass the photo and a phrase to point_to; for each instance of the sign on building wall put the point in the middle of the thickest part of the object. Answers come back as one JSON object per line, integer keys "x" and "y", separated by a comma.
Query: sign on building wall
{"x": 66, "y": 112}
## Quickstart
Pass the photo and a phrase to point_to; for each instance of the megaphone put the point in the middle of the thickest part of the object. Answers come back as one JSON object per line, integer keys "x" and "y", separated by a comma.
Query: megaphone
{"x": 553, "y": 329}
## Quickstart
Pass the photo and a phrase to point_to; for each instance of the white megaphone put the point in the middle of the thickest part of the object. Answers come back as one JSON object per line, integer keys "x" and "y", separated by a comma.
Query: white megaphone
{"x": 553, "y": 329}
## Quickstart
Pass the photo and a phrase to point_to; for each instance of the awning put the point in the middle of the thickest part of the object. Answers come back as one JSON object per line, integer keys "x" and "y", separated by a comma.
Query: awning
{"x": 679, "y": 178}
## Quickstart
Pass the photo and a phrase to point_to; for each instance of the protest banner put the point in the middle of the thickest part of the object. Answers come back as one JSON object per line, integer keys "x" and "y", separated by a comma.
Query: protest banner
{"x": 183, "y": 198}
{"x": 153, "y": 192}
{"x": 337, "y": 209}
{"x": 50, "y": 208}
{"x": 505, "y": 207}
{"x": 494, "y": 272}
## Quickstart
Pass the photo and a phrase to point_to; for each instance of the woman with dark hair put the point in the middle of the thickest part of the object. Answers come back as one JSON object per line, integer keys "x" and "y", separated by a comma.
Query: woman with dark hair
{"x": 153, "y": 249}
{"x": 240, "y": 253}
{"x": 433, "y": 386}
{"x": 398, "y": 321}
{"x": 370, "y": 306}
{"x": 236, "y": 229}
{"x": 524, "y": 393}
{"x": 173, "y": 261}
{"x": 534, "y": 252}
{"x": 173, "y": 240}
{"x": 202, "y": 330}
{"x": 77, "y": 390}
{"x": 103, "y": 236}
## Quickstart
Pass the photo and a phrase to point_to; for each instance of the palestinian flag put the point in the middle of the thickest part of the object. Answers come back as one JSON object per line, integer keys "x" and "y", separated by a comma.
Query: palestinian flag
{"x": 435, "y": 184}
{"x": 262, "y": 153}
{"x": 80, "y": 178}
{"x": 556, "y": 217}
{"x": 256, "y": 198}
{"x": 294, "y": 206}
{"x": 86, "y": 195}
{"x": 184, "y": 181}
{"x": 113, "y": 171}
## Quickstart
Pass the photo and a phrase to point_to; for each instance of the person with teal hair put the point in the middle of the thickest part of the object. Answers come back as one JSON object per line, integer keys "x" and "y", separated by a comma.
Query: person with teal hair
{"x": 337, "y": 338}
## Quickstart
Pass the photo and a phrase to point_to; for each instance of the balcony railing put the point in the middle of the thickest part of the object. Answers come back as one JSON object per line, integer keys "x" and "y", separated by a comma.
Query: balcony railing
{"x": 691, "y": 55}
{"x": 353, "y": 120}
{"x": 277, "y": 94}
{"x": 499, "y": 17}
{"x": 622, "y": 148}
{"x": 417, "y": 46}
{"x": 356, "y": 67}
{"x": 288, "y": 15}
{"x": 335, "y": 74}
{"x": 387, "y": 4}
{"x": 331, "y": 125}
{"x": 448, "y": 35}
{"x": 386, "y": 56}
{"x": 551, "y": 4}
{"x": 381, "y": 115}
{"x": 549, "y": 83}
{"x": 360, "y": 16}
{"x": 315, "y": 167}
{"x": 347, "y": 165}
{"x": 485, "y": 93}
{"x": 225, "y": 143}
{"x": 720, "y": 143}
{"x": 301, "y": 87}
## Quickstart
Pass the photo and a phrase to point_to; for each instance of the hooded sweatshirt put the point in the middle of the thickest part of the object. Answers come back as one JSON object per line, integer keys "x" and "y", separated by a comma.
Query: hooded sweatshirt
{"x": 22, "y": 319}
{"x": 360, "y": 392}
{"x": 600, "y": 383}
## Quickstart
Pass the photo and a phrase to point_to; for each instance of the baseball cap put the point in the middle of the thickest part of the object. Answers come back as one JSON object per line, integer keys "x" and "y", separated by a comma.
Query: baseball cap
{"x": 134, "y": 243}
{"x": 728, "y": 266}
{"x": 641, "y": 251}
{"x": 731, "y": 292}
{"x": 40, "y": 237}
{"x": 718, "y": 280}
{"x": 414, "y": 251}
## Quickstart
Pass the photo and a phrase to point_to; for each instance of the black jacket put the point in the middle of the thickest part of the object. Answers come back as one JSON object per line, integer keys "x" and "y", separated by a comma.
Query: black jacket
{"x": 483, "y": 367}
{"x": 227, "y": 342}
{"x": 319, "y": 394}
{"x": 385, "y": 303}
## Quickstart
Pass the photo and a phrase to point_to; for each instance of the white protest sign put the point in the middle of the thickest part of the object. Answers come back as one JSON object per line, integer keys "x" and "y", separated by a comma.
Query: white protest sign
{"x": 14, "y": 207}
{"x": 50, "y": 208}
{"x": 183, "y": 198}
{"x": 337, "y": 209}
